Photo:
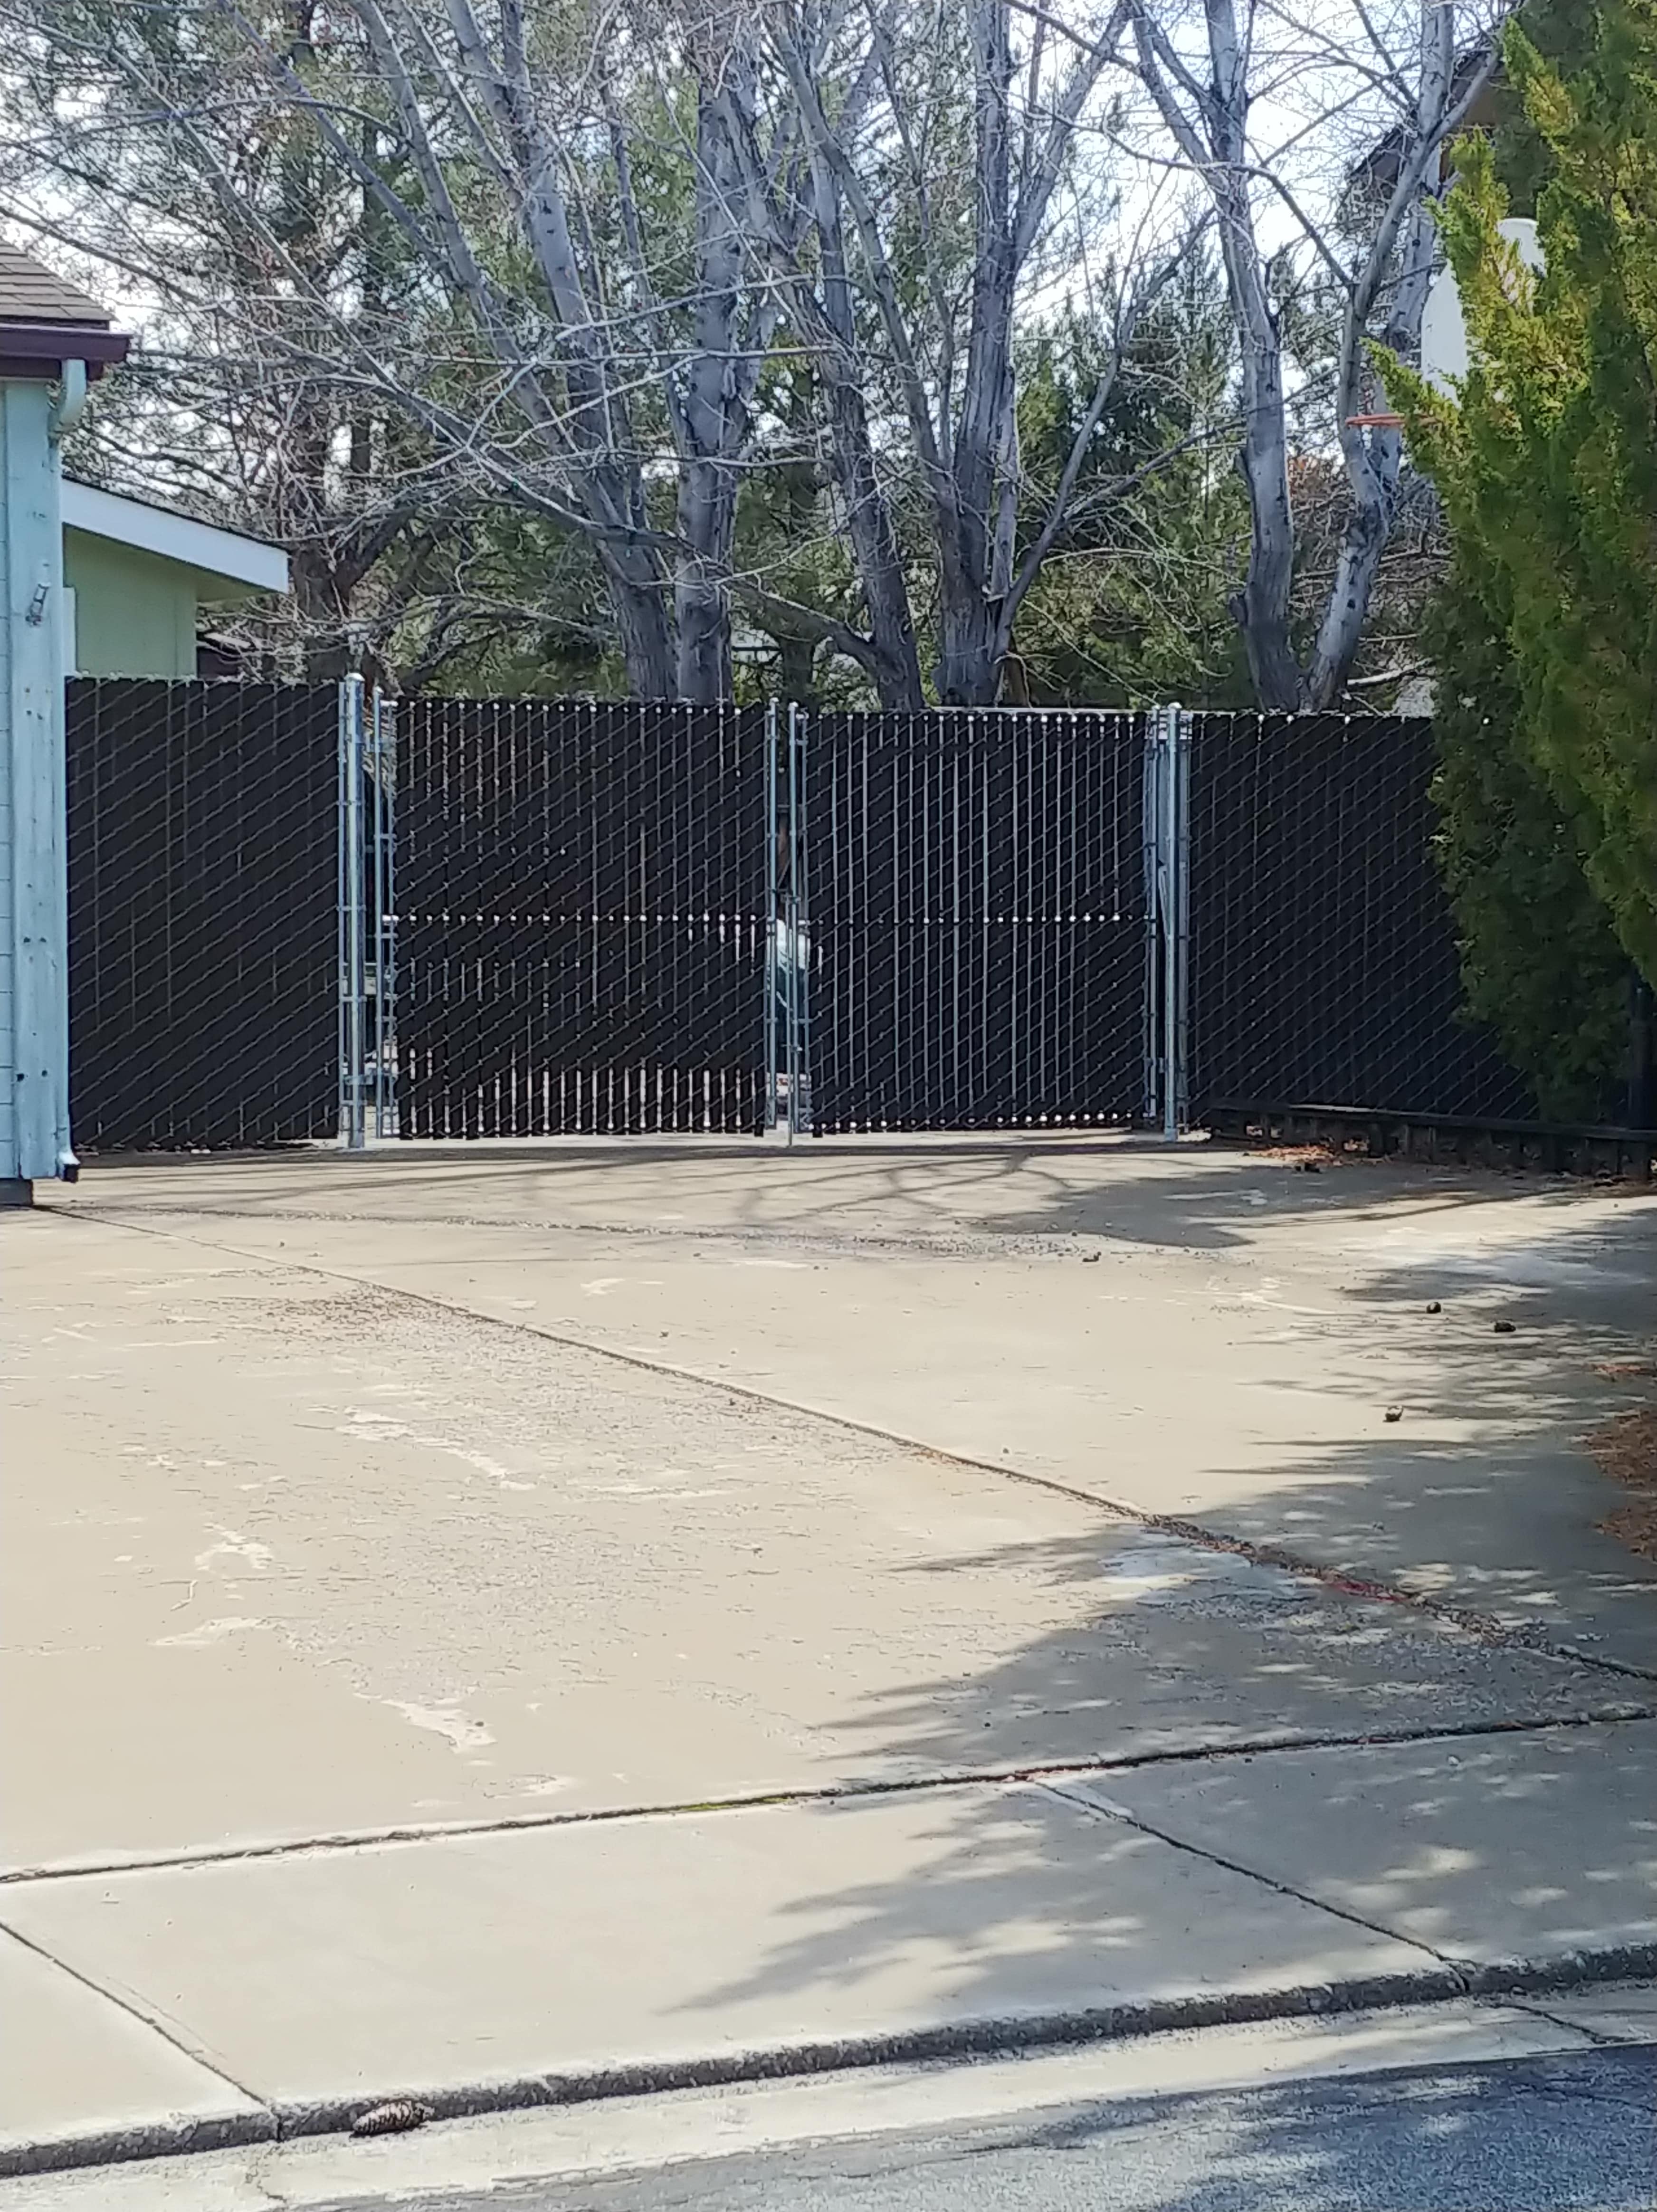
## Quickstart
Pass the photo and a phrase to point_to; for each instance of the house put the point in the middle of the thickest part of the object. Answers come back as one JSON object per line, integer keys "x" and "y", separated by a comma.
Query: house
{"x": 1376, "y": 170}
{"x": 53, "y": 341}
{"x": 137, "y": 576}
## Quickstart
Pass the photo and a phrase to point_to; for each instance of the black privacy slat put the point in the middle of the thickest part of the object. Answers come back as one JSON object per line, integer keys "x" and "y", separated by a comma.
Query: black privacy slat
{"x": 582, "y": 918}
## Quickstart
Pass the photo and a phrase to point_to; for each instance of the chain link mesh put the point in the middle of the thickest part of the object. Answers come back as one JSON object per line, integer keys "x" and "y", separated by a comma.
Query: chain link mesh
{"x": 203, "y": 893}
{"x": 615, "y": 918}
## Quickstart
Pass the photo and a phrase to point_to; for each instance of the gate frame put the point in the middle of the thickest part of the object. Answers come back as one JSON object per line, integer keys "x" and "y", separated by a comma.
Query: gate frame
{"x": 787, "y": 943}
{"x": 368, "y": 951}
{"x": 353, "y": 984}
{"x": 1164, "y": 1016}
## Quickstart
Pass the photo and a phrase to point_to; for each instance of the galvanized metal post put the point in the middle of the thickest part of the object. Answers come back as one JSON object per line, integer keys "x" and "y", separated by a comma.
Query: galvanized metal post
{"x": 1151, "y": 987}
{"x": 1177, "y": 1102}
{"x": 352, "y": 1025}
{"x": 799, "y": 994}
{"x": 1168, "y": 917}
{"x": 384, "y": 754}
{"x": 1169, "y": 979}
{"x": 772, "y": 915}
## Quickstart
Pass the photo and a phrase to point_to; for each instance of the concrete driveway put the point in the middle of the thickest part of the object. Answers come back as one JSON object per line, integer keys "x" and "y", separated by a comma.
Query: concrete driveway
{"x": 1230, "y": 1355}
{"x": 444, "y": 1502}
{"x": 320, "y": 1473}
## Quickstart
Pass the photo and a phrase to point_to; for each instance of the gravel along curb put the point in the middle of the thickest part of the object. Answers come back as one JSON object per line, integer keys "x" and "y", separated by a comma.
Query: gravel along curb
{"x": 282, "y": 2120}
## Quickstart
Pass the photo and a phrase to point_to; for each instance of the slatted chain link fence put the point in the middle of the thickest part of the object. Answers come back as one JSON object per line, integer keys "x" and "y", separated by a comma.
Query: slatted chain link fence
{"x": 304, "y": 912}
{"x": 976, "y": 919}
{"x": 1323, "y": 962}
{"x": 203, "y": 871}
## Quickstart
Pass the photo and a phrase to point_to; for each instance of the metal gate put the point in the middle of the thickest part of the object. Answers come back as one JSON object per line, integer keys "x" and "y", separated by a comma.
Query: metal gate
{"x": 582, "y": 918}
{"x": 977, "y": 909}
{"x": 624, "y": 919}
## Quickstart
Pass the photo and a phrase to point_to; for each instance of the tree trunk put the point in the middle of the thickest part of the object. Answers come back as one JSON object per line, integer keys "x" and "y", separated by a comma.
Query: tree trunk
{"x": 1261, "y": 608}
{"x": 797, "y": 669}
{"x": 638, "y": 600}
{"x": 968, "y": 661}
{"x": 874, "y": 544}
{"x": 1375, "y": 460}
{"x": 701, "y": 620}
{"x": 714, "y": 423}
{"x": 868, "y": 518}
{"x": 969, "y": 670}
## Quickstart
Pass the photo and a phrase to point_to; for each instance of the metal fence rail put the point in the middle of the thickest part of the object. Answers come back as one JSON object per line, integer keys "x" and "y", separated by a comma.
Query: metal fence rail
{"x": 202, "y": 837}
{"x": 582, "y": 918}
{"x": 977, "y": 919}
{"x": 1323, "y": 959}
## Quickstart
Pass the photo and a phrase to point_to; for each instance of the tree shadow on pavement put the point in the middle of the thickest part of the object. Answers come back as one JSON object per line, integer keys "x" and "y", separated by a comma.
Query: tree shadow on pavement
{"x": 1489, "y": 1848}
{"x": 916, "y": 1191}
{"x": 1557, "y": 2135}
{"x": 1561, "y": 2134}
{"x": 1190, "y": 1864}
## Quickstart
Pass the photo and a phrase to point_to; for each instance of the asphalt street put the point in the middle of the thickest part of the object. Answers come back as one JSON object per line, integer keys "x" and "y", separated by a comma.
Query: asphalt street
{"x": 1575, "y": 2134}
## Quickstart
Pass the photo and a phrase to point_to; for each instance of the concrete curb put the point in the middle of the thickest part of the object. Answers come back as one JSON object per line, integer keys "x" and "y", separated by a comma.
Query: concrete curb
{"x": 283, "y": 2119}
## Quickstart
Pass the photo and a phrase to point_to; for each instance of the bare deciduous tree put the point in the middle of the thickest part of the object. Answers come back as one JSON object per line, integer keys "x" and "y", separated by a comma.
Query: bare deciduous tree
{"x": 1294, "y": 123}
{"x": 228, "y": 406}
{"x": 933, "y": 145}
{"x": 609, "y": 219}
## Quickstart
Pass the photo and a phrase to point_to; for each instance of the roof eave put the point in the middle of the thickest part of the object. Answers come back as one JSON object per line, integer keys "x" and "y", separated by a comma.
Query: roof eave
{"x": 39, "y": 350}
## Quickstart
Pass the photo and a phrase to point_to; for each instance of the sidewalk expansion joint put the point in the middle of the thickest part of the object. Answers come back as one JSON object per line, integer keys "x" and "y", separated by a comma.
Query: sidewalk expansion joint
{"x": 225, "y": 2131}
{"x": 1104, "y": 1809}
{"x": 1040, "y": 1774}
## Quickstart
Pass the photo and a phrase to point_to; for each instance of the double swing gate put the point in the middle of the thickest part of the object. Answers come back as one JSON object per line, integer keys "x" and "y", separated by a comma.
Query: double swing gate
{"x": 621, "y": 920}
{"x": 303, "y": 913}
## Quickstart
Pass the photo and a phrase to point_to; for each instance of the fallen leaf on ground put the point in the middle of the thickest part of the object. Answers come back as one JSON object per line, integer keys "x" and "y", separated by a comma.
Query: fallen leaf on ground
{"x": 1625, "y": 1449}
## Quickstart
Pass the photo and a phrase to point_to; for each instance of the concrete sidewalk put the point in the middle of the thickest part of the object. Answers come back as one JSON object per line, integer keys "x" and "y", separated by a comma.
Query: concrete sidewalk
{"x": 400, "y": 1697}
{"x": 196, "y": 2006}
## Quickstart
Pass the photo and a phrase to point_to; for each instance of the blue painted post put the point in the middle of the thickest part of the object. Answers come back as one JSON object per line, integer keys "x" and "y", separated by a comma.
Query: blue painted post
{"x": 34, "y": 1132}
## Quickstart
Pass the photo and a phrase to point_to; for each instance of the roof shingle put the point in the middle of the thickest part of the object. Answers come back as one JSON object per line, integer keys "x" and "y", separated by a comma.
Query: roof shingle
{"x": 31, "y": 294}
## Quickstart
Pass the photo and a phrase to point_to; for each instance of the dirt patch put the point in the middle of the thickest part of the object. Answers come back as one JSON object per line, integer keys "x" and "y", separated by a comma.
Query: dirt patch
{"x": 1625, "y": 1449}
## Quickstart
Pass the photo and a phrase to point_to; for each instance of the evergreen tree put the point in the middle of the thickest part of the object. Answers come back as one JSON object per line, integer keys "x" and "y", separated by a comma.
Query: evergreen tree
{"x": 1547, "y": 465}
{"x": 1540, "y": 963}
